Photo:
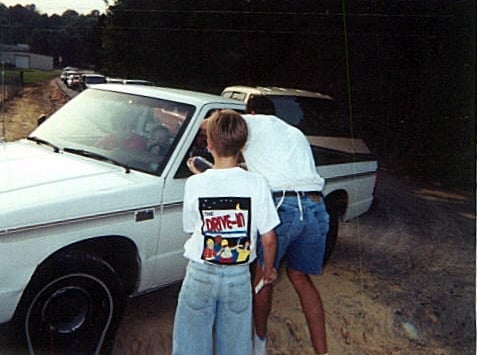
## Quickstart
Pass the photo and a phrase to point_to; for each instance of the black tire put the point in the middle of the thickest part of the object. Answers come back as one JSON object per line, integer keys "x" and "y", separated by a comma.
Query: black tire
{"x": 332, "y": 236}
{"x": 72, "y": 306}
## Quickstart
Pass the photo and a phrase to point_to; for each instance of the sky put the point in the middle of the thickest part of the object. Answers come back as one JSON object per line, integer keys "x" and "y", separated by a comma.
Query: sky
{"x": 51, "y": 7}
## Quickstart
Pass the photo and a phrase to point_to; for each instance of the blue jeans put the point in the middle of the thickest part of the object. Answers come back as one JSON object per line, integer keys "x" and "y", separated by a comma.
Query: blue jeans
{"x": 301, "y": 241}
{"x": 214, "y": 311}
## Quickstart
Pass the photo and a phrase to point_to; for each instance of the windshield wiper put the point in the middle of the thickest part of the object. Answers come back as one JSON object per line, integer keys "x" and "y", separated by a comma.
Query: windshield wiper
{"x": 92, "y": 155}
{"x": 42, "y": 141}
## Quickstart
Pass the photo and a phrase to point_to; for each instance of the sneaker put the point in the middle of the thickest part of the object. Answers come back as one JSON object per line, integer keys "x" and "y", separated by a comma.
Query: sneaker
{"x": 259, "y": 345}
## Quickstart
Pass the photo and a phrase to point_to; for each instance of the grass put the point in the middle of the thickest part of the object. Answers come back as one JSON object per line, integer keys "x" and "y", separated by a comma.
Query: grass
{"x": 30, "y": 77}
{"x": 36, "y": 76}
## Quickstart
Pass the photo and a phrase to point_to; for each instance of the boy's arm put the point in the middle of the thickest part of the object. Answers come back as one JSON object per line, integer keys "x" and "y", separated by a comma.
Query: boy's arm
{"x": 269, "y": 244}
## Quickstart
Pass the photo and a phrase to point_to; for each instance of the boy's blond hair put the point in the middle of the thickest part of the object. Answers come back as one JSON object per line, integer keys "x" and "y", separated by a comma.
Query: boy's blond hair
{"x": 227, "y": 131}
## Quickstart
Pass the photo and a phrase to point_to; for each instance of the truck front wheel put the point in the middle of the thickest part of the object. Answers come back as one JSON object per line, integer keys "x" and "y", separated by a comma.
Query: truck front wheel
{"x": 73, "y": 305}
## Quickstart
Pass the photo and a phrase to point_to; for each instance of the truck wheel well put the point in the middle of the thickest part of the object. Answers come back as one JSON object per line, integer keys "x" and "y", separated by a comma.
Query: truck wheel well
{"x": 337, "y": 202}
{"x": 119, "y": 252}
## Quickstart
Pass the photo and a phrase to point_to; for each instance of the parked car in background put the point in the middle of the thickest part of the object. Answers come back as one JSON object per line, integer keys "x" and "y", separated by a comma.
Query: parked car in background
{"x": 66, "y": 71}
{"x": 89, "y": 215}
{"x": 73, "y": 80}
{"x": 129, "y": 81}
{"x": 114, "y": 80}
{"x": 137, "y": 82}
{"x": 88, "y": 80}
{"x": 343, "y": 160}
{"x": 70, "y": 68}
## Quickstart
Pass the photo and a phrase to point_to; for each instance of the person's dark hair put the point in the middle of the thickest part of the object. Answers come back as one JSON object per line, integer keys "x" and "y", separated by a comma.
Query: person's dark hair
{"x": 260, "y": 104}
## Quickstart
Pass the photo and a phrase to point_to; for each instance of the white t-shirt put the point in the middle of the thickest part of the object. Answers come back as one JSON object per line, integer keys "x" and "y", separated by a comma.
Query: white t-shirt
{"x": 224, "y": 209}
{"x": 272, "y": 149}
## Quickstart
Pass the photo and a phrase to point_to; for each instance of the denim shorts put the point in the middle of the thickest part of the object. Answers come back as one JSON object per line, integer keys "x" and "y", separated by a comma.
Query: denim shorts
{"x": 301, "y": 241}
{"x": 214, "y": 311}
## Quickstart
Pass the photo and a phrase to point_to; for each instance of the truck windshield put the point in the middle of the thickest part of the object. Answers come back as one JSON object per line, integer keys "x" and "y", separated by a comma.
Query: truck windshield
{"x": 125, "y": 129}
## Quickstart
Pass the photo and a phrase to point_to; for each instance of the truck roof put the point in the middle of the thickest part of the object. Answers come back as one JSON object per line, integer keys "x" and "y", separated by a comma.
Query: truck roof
{"x": 275, "y": 90}
{"x": 193, "y": 97}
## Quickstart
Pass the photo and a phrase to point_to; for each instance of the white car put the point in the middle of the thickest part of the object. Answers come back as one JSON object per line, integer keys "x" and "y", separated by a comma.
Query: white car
{"x": 90, "y": 79}
{"x": 73, "y": 80}
{"x": 89, "y": 216}
{"x": 137, "y": 82}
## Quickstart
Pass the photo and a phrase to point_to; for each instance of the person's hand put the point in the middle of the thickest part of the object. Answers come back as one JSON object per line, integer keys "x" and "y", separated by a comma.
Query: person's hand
{"x": 192, "y": 168}
{"x": 269, "y": 275}
{"x": 198, "y": 164}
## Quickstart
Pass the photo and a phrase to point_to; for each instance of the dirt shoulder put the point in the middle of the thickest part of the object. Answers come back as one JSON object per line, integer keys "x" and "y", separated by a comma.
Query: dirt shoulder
{"x": 21, "y": 113}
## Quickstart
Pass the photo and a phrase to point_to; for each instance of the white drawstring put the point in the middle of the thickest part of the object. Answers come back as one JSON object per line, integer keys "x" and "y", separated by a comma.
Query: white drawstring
{"x": 300, "y": 207}
{"x": 281, "y": 200}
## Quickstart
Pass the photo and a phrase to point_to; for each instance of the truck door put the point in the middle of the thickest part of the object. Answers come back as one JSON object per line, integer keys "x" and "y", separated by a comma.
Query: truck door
{"x": 172, "y": 264}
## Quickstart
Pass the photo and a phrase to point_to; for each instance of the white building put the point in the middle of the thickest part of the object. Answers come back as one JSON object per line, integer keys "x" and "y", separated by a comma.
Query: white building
{"x": 20, "y": 57}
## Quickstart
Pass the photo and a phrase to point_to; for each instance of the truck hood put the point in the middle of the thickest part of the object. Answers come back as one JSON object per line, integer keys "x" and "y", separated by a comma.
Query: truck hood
{"x": 40, "y": 186}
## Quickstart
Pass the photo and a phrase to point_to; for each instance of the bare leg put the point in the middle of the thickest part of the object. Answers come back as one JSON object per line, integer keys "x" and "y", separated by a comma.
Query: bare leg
{"x": 262, "y": 304}
{"x": 312, "y": 307}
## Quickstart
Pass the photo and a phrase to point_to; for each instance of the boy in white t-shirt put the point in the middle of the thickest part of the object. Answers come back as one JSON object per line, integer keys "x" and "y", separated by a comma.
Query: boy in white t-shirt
{"x": 224, "y": 208}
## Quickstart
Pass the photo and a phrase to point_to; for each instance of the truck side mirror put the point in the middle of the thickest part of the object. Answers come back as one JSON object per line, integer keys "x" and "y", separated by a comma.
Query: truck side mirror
{"x": 41, "y": 119}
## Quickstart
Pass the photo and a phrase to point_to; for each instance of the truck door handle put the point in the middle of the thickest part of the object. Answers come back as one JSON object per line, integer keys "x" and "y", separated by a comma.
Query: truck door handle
{"x": 144, "y": 215}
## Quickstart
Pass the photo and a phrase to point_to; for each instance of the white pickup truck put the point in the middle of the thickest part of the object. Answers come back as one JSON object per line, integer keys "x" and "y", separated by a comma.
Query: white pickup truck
{"x": 91, "y": 210}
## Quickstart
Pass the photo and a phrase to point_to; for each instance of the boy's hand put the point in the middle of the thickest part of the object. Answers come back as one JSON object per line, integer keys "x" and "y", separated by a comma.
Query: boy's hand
{"x": 192, "y": 168}
{"x": 198, "y": 165}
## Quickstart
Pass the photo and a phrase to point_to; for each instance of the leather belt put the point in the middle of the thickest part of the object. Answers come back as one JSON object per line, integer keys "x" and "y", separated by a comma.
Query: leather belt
{"x": 313, "y": 195}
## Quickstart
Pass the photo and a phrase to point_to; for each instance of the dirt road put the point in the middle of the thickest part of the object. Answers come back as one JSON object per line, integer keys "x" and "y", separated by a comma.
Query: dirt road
{"x": 401, "y": 281}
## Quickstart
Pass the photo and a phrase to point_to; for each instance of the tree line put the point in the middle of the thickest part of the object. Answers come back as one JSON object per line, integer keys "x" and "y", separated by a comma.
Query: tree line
{"x": 69, "y": 38}
{"x": 402, "y": 71}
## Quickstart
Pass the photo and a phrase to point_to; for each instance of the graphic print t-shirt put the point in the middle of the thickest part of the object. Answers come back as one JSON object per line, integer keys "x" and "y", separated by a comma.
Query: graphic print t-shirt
{"x": 226, "y": 229}
{"x": 224, "y": 209}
